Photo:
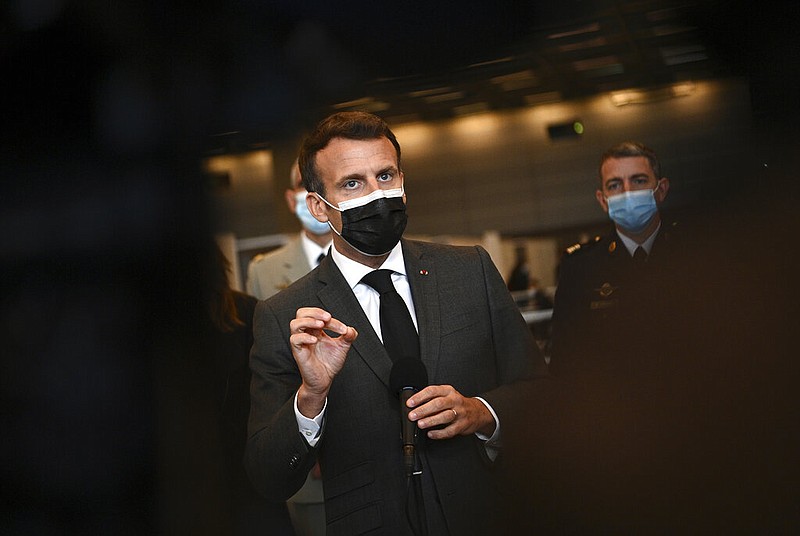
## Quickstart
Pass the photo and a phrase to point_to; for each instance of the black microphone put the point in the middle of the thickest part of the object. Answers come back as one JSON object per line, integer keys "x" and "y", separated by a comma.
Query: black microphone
{"x": 407, "y": 377}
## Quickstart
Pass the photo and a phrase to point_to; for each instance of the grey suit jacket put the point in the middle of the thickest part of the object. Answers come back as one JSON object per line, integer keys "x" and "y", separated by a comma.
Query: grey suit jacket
{"x": 472, "y": 336}
{"x": 274, "y": 271}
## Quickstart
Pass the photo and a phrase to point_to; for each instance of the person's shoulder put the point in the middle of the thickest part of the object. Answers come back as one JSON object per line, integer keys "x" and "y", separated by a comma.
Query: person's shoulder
{"x": 299, "y": 292}
{"x": 276, "y": 254}
{"x": 441, "y": 250}
{"x": 585, "y": 248}
{"x": 245, "y": 304}
{"x": 670, "y": 231}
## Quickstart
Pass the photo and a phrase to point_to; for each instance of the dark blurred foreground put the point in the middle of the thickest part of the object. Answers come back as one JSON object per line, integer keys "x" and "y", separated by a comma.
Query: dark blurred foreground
{"x": 104, "y": 240}
{"x": 701, "y": 436}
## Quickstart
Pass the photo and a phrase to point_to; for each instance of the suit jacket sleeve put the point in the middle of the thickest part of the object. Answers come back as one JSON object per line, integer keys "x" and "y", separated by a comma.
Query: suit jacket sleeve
{"x": 277, "y": 458}
{"x": 518, "y": 359}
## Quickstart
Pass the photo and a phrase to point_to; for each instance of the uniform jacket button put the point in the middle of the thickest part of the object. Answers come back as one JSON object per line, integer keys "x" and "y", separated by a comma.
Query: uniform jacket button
{"x": 294, "y": 461}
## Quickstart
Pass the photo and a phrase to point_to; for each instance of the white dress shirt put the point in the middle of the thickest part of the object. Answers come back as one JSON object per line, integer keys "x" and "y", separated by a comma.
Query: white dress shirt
{"x": 313, "y": 250}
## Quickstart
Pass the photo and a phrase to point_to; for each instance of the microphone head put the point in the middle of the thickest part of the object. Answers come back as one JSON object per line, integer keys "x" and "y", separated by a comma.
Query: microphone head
{"x": 408, "y": 372}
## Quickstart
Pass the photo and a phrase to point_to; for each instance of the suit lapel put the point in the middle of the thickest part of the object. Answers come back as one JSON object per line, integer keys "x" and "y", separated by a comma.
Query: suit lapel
{"x": 422, "y": 277}
{"x": 337, "y": 298}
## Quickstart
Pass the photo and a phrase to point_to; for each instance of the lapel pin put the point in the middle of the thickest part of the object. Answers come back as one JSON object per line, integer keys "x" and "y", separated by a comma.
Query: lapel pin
{"x": 423, "y": 272}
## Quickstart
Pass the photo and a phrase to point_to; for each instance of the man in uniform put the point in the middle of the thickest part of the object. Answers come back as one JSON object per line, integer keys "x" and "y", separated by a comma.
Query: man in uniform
{"x": 610, "y": 288}
{"x": 617, "y": 353}
{"x": 270, "y": 272}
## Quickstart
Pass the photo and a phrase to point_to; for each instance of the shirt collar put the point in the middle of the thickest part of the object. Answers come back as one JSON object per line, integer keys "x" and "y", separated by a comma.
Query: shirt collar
{"x": 631, "y": 244}
{"x": 353, "y": 271}
{"x": 312, "y": 250}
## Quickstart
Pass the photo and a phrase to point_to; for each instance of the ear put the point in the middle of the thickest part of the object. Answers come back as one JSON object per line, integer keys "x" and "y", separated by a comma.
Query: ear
{"x": 291, "y": 202}
{"x": 317, "y": 207}
{"x": 602, "y": 200}
{"x": 661, "y": 191}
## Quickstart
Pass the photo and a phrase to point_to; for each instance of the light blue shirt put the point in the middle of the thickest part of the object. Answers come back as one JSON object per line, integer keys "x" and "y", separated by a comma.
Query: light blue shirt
{"x": 631, "y": 245}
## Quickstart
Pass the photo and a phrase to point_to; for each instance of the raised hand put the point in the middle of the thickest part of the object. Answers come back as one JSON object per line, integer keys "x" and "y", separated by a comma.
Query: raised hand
{"x": 318, "y": 355}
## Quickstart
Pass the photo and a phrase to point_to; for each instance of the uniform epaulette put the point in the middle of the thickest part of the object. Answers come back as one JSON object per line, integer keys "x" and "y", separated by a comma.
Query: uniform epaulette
{"x": 582, "y": 246}
{"x": 257, "y": 258}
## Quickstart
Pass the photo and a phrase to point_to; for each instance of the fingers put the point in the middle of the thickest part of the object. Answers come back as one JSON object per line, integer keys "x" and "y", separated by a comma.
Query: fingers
{"x": 438, "y": 395}
{"x": 315, "y": 319}
{"x": 311, "y": 344}
{"x": 440, "y": 409}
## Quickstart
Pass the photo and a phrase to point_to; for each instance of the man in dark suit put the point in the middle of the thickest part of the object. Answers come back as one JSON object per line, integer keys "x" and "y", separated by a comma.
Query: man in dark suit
{"x": 321, "y": 373}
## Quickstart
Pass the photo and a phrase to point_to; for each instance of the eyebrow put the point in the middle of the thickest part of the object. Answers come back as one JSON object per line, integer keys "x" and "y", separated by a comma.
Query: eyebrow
{"x": 620, "y": 179}
{"x": 360, "y": 176}
{"x": 352, "y": 176}
{"x": 388, "y": 169}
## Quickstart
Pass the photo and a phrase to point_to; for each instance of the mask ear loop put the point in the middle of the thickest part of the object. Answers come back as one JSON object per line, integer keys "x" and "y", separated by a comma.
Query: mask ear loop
{"x": 340, "y": 234}
{"x": 334, "y": 208}
{"x": 327, "y": 203}
{"x": 658, "y": 185}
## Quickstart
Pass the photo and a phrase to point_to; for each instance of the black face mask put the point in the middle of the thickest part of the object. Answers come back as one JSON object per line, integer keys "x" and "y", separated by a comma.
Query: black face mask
{"x": 373, "y": 228}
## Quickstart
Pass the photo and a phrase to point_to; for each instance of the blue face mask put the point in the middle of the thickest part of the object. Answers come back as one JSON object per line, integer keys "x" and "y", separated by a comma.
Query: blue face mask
{"x": 311, "y": 224}
{"x": 632, "y": 211}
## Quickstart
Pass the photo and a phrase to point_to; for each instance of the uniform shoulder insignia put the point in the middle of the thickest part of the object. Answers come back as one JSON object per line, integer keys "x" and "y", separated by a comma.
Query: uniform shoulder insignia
{"x": 582, "y": 246}
{"x": 258, "y": 258}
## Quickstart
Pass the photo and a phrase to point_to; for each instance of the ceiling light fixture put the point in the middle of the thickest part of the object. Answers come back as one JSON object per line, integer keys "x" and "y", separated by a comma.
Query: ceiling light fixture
{"x": 647, "y": 96}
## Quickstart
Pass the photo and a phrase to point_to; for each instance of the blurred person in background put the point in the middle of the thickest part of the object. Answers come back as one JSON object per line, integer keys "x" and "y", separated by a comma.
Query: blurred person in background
{"x": 676, "y": 407}
{"x": 272, "y": 272}
{"x": 617, "y": 350}
{"x": 519, "y": 279}
{"x": 607, "y": 282}
{"x": 231, "y": 337}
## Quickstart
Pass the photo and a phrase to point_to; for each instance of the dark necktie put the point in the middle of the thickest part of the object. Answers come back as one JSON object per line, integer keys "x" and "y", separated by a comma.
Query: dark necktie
{"x": 399, "y": 335}
{"x": 639, "y": 256}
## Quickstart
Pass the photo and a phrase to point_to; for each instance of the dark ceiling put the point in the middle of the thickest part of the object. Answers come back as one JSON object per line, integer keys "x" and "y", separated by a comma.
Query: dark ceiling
{"x": 439, "y": 61}
{"x": 243, "y": 73}
{"x": 492, "y": 58}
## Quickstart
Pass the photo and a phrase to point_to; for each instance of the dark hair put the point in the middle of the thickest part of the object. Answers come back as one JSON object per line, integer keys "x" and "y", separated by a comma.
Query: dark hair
{"x": 349, "y": 125}
{"x": 628, "y": 149}
{"x": 221, "y": 305}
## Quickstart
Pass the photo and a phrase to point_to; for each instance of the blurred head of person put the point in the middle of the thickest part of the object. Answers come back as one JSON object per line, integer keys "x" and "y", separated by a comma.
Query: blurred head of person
{"x": 295, "y": 196}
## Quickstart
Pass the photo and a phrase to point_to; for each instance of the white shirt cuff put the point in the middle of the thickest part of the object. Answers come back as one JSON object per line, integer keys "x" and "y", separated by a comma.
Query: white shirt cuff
{"x": 492, "y": 443}
{"x": 310, "y": 428}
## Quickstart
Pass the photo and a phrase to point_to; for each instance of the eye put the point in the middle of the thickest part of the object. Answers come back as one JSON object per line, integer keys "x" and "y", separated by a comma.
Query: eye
{"x": 350, "y": 185}
{"x": 385, "y": 177}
